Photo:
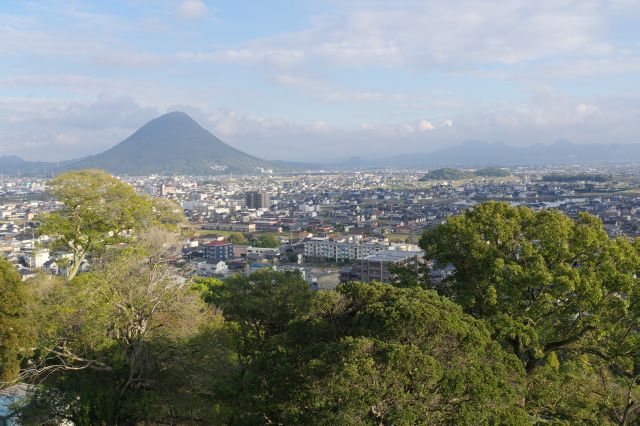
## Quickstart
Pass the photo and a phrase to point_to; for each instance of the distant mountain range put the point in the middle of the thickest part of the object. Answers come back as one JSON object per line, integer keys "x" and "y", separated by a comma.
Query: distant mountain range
{"x": 14, "y": 165}
{"x": 171, "y": 144}
{"x": 174, "y": 144}
{"x": 482, "y": 154}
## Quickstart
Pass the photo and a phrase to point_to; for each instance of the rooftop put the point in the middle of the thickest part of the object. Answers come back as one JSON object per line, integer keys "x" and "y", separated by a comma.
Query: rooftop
{"x": 392, "y": 255}
{"x": 218, "y": 243}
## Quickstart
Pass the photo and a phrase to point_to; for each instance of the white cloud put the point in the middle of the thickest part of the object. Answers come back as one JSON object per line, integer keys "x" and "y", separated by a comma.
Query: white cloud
{"x": 453, "y": 35}
{"x": 44, "y": 129}
{"x": 344, "y": 68}
{"x": 549, "y": 115}
{"x": 319, "y": 126}
{"x": 66, "y": 139}
{"x": 192, "y": 9}
{"x": 512, "y": 41}
{"x": 426, "y": 125}
{"x": 56, "y": 130}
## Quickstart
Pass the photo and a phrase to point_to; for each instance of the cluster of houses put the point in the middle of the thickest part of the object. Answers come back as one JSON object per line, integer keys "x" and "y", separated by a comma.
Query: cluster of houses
{"x": 331, "y": 218}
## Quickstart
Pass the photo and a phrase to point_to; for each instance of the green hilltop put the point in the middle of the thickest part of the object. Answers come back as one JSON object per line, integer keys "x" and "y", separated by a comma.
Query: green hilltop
{"x": 448, "y": 173}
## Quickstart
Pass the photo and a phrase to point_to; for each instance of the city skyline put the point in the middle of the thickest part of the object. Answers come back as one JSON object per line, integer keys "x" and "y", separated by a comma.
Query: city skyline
{"x": 285, "y": 80}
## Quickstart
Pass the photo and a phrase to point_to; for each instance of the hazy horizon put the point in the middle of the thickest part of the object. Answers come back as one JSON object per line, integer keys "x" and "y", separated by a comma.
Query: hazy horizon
{"x": 321, "y": 81}
{"x": 342, "y": 159}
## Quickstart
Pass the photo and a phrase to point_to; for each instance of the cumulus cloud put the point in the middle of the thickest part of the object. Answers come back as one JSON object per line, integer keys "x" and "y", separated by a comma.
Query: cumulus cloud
{"x": 426, "y": 125}
{"x": 549, "y": 115}
{"x": 546, "y": 116}
{"x": 192, "y": 9}
{"x": 43, "y": 129}
{"x": 46, "y": 130}
{"x": 453, "y": 35}
{"x": 518, "y": 40}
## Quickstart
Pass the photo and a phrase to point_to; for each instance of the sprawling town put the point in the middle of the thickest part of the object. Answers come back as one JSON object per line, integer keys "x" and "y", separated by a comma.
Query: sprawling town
{"x": 331, "y": 226}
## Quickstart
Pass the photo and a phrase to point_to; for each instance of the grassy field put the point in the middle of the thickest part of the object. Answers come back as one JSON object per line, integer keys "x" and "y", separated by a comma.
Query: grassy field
{"x": 397, "y": 238}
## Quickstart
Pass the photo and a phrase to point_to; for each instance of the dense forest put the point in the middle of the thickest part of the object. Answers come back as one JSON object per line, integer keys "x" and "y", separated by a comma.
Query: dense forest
{"x": 537, "y": 325}
{"x": 457, "y": 174}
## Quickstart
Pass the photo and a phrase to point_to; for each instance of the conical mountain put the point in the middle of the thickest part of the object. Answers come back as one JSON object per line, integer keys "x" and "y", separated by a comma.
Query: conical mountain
{"x": 173, "y": 144}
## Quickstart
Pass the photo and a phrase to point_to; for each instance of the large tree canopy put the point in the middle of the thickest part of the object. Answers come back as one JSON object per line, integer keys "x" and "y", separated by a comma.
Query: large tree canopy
{"x": 368, "y": 354}
{"x": 546, "y": 284}
{"x": 98, "y": 208}
{"x": 127, "y": 342}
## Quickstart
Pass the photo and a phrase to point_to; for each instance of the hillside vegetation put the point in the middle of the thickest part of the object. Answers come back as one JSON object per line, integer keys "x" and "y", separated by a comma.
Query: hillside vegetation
{"x": 457, "y": 174}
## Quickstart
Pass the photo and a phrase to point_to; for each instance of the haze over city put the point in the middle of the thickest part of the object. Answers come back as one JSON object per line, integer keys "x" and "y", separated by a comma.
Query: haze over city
{"x": 319, "y": 81}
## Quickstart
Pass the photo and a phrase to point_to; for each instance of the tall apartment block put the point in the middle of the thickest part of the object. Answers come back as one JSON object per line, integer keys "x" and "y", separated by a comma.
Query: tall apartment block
{"x": 257, "y": 200}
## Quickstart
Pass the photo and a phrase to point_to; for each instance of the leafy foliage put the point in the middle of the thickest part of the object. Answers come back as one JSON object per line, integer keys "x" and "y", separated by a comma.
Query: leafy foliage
{"x": 114, "y": 343}
{"x": 375, "y": 354}
{"x": 16, "y": 325}
{"x": 261, "y": 306}
{"x": 237, "y": 238}
{"x": 267, "y": 241}
{"x": 448, "y": 173}
{"x": 547, "y": 285}
{"x": 99, "y": 209}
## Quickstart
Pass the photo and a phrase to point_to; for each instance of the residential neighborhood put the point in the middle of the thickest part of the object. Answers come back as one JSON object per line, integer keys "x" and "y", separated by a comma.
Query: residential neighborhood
{"x": 331, "y": 225}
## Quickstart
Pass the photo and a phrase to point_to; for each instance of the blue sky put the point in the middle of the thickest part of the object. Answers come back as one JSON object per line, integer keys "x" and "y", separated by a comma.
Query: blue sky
{"x": 319, "y": 80}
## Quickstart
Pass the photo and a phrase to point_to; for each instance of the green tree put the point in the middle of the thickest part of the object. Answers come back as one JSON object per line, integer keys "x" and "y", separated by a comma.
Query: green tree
{"x": 408, "y": 276}
{"x": 581, "y": 390}
{"x": 267, "y": 241}
{"x": 376, "y": 354}
{"x": 260, "y": 305}
{"x": 206, "y": 286}
{"x": 547, "y": 284}
{"x": 96, "y": 208}
{"x": 237, "y": 238}
{"x": 17, "y": 329}
{"x": 128, "y": 342}
{"x": 167, "y": 214}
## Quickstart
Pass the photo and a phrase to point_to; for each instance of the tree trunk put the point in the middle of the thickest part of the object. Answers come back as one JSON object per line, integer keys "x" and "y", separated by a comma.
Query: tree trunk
{"x": 75, "y": 266}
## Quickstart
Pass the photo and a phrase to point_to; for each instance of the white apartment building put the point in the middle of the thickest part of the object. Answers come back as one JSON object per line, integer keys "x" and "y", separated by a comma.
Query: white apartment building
{"x": 36, "y": 258}
{"x": 341, "y": 251}
{"x": 262, "y": 250}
